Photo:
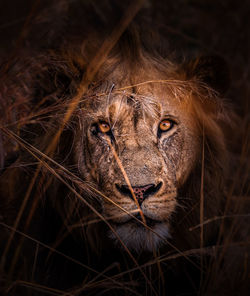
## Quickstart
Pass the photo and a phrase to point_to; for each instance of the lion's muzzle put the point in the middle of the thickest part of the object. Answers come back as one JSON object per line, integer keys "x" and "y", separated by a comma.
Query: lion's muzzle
{"x": 140, "y": 192}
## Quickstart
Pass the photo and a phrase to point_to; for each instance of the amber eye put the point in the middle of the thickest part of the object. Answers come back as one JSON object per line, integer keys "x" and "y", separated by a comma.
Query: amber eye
{"x": 165, "y": 125}
{"x": 104, "y": 127}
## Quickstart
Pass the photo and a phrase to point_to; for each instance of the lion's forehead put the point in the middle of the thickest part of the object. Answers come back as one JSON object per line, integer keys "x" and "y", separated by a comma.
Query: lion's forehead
{"x": 130, "y": 108}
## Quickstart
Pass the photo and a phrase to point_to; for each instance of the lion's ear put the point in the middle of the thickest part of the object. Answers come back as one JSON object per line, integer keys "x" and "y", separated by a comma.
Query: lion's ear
{"x": 212, "y": 70}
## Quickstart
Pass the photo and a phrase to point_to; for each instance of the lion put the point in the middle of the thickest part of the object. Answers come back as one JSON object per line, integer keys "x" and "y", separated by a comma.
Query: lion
{"x": 144, "y": 152}
{"x": 140, "y": 145}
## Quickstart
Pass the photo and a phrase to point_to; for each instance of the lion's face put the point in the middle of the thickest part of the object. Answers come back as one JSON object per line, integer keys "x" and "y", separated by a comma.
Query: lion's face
{"x": 155, "y": 144}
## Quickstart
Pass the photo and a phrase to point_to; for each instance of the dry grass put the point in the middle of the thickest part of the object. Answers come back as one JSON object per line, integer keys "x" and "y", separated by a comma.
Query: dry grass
{"x": 182, "y": 22}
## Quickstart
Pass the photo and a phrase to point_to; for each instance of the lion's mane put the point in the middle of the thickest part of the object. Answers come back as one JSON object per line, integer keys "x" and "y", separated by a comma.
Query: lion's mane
{"x": 43, "y": 194}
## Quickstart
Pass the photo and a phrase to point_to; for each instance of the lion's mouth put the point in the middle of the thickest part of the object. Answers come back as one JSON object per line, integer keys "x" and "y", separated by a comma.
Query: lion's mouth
{"x": 149, "y": 222}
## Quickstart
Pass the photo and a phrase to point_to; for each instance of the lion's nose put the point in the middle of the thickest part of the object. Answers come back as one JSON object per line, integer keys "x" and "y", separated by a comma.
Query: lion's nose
{"x": 141, "y": 192}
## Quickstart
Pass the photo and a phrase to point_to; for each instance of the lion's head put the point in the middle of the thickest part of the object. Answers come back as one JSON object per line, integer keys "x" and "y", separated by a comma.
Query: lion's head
{"x": 143, "y": 133}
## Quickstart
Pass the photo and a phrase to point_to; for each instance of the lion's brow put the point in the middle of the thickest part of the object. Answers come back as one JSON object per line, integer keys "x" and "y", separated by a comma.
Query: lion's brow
{"x": 139, "y": 105}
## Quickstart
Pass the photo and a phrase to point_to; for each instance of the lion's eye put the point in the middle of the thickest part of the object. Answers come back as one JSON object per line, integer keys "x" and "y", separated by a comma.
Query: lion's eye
{"x": 165, "y": 125}
{"x": 104, "y": 127}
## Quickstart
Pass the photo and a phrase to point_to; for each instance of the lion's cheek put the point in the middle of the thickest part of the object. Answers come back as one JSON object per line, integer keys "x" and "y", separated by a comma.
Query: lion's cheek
{"x": 119, "y": 212}
{"x": 187, "y": 161}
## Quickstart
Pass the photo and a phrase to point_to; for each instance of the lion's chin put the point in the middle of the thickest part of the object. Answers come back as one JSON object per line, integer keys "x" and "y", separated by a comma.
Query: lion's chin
{"x": 140, "y": 239}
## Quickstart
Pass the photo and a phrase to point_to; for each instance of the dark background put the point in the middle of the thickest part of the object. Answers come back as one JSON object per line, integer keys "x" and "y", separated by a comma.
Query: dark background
{"x": 191, "y": 28}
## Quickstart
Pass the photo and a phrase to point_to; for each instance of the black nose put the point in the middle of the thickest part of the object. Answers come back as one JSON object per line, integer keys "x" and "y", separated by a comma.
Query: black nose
{"x": 141, "y": 192}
